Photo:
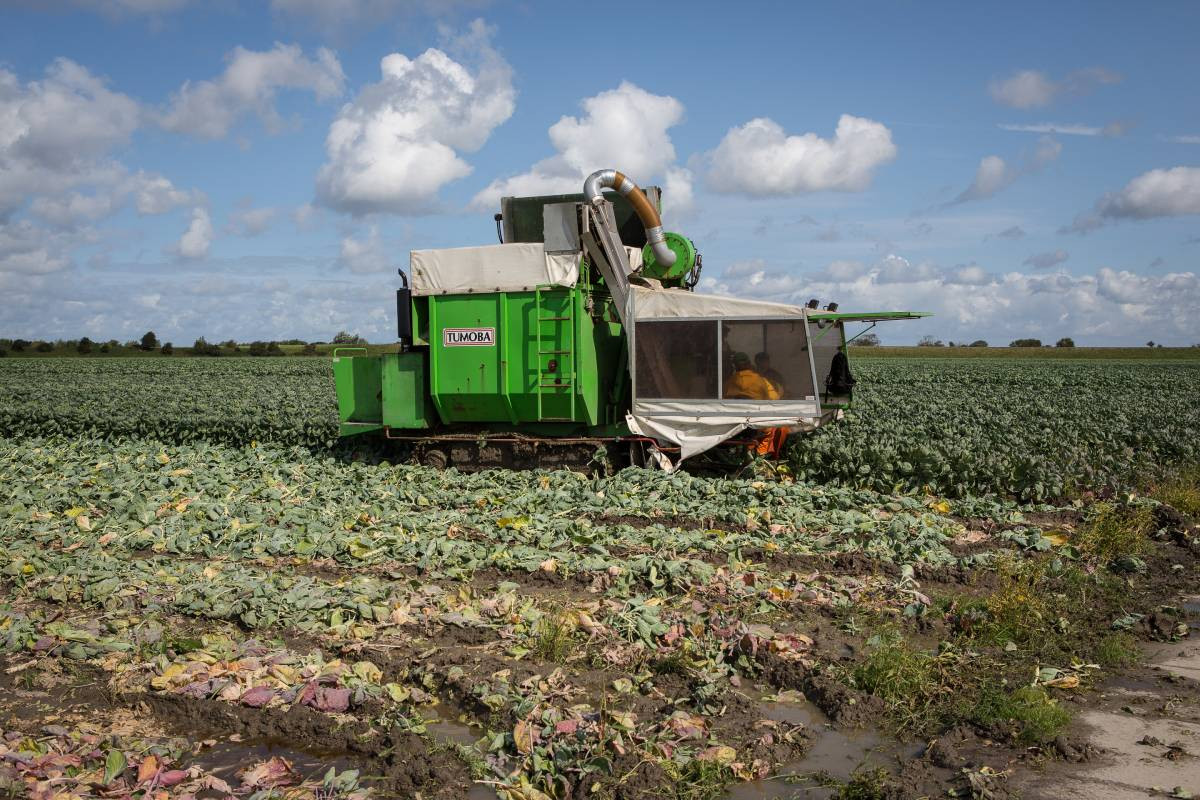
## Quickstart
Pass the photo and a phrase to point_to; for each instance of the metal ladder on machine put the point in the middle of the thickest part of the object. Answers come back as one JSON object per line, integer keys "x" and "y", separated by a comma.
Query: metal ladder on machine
{"x": 568, "y": 354}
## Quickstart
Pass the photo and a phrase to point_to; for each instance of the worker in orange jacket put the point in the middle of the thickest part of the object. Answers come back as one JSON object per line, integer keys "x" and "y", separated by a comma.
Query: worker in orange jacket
{"x": 747, "y": 384}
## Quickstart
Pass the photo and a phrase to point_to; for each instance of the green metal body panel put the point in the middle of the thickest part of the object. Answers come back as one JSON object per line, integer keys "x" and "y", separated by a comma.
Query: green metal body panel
{"x": 549, "y": 361}
{"x": 359, "y": 384}
{"x": 405, "y": 394}
{"x": 529, "y": 357}
{"x": 377, "y": 392}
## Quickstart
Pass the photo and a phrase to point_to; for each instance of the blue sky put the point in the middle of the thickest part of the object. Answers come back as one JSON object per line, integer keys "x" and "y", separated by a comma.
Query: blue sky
{"x": 259, "y": 170}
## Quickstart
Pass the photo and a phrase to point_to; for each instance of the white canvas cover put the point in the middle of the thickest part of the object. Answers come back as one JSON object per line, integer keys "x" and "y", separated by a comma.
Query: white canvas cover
{"x": 516, "y": 267}
{"x": 698, "y": 425}
{"x": 680, "y": 303}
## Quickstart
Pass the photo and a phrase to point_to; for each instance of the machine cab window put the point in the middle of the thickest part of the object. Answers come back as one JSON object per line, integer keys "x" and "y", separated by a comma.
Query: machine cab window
{"x": 764, "y": 360}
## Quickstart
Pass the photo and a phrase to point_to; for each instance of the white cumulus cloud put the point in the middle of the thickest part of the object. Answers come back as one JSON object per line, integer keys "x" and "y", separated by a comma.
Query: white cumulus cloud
{"x": 398, "y": 142}
{"x": 969, "y": 275}
{"x": 30, "y": 250}
{"x": 197, "y": 238}
{"x": 248, "y": 85}
{"x": 57, "y": 133}
{"x": 151, "y": 194}
{"x": 1110, "y": 306}
{"x": 1157, "y": 193}
{"x": 897, "y": 269}
{"x": 1026, "y": 89}
{"x": 249, "y": 221}
{"x": 1171, "y": 192}
{"x": 679, "y": 199}
{"x": 842, "y": 271}
{"x": 626, "y": 128}
{"x": 759, "y": 158}
{"x": 154, "y": 194}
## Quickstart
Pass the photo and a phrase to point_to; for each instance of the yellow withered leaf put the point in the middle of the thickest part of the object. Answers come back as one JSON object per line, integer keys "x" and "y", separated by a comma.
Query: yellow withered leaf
{"x": 1064, "y": 682}
{"x": 169, "y": 674}
{"x": 523, "y": 737}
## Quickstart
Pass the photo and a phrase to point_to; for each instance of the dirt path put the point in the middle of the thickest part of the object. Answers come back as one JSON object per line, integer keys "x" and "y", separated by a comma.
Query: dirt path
{"x": 1146, "y": 732}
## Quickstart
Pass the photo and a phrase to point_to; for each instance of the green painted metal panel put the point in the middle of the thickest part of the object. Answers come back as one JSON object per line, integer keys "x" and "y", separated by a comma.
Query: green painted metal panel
{"x": 405, "y": 392}
{"x": 358, "y": 383}
{"x": 465, "y": 352}
{"x": 548, "y": 356}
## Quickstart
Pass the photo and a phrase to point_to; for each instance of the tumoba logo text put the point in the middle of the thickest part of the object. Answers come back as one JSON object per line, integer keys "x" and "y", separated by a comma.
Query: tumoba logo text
{"x": 468, "y": 337}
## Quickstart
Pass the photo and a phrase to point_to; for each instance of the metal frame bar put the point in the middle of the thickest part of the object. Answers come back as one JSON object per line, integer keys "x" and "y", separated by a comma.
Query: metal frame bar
{"x": 503, "y": 344}
{"x": 507, "y": 437}
{"x": 435, "y": 341}
{"x": 812, "y": 362}
{"x": 860, "y": 333}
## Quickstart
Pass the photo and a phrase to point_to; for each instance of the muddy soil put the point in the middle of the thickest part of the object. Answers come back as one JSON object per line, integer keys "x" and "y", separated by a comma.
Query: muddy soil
{"x": 224, "y": 738}
{"x": 797, "y": 717}
{"x": 1142, "y": 734}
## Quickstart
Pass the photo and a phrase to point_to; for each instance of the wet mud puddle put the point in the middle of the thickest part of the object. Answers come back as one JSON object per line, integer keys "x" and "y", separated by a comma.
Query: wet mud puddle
{"x": 445, "y": 729}
{"x": 834, "y": 755}
{"x": 227, "y": 758}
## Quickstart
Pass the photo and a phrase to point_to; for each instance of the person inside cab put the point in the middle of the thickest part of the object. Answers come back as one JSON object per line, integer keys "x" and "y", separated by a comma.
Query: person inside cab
{"x": 762, "y": 363}
{"x": 746, "y": 383}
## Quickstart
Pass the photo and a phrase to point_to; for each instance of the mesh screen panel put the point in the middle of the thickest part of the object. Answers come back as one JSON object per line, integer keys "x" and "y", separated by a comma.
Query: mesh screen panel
{"x": 784, "y": 344}
{"x": 677, "y": 359}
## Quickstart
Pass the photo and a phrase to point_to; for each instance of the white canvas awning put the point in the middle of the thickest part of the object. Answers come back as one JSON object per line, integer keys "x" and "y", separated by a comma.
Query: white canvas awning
{"x": 697, "y": 425}
{"x": 514, "y": 267}
{"x": 682, "y": 304}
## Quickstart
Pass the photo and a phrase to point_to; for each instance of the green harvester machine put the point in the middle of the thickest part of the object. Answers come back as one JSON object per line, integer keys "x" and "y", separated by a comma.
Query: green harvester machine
{"x": 580, "y": 332}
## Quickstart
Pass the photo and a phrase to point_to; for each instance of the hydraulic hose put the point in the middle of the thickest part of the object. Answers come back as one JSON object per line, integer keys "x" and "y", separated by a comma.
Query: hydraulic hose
{"x": 593, "y": 190}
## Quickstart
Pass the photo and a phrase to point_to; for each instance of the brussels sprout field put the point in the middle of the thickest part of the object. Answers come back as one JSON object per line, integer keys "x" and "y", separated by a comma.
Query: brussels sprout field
{"x": 204, "y": 596}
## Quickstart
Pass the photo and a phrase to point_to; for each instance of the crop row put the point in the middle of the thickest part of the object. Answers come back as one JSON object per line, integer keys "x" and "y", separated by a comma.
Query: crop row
{"x": 1032, "y": 430}
{"x": 235, "y": 400}
{"x": 1029, "y": 429}
{"x": 223, "y": 502}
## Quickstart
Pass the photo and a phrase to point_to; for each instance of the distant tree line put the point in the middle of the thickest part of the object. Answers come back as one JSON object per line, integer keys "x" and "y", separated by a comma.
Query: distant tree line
{"x": 1066, "y": 341}
{"x": 929, "y": 341}
{"x": 149, "y": 343}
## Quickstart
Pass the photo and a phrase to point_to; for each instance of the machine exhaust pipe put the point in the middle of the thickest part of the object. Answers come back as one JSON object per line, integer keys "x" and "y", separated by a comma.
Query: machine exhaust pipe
{"x": 593, "y": 190}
